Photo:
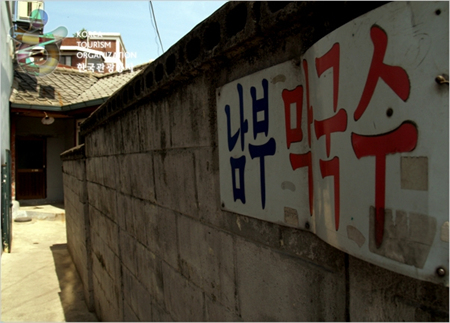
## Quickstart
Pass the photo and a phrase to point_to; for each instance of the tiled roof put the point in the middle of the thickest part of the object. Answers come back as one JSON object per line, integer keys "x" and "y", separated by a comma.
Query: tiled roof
{"x": 107, "y": 85}
{"x": 65, "y": 87}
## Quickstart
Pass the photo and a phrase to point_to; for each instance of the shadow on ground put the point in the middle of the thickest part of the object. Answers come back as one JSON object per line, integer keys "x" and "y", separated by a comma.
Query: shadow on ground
{"x": 71, "y": 295}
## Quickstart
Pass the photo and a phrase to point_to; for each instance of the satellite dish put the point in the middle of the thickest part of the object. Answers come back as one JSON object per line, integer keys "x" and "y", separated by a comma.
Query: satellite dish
{"x": 47, "y": 120}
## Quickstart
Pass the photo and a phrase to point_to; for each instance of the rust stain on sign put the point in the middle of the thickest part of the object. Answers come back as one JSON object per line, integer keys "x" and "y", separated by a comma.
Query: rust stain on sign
{"x": 407, "y": 239}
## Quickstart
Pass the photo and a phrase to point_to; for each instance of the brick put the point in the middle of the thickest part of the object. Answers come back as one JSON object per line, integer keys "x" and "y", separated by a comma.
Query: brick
{"x": 184, "y": 301}
{"x": 206, "y": 258}
{"x": 276, "y": 287}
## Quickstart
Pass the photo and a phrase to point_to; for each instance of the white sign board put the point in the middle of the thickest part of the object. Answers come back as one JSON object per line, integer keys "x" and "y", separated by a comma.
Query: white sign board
{"x": 350, "y": 141}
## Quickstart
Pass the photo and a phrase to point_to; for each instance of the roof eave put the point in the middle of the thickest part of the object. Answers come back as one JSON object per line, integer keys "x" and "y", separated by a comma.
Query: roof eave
{"x": 65, "y": 108}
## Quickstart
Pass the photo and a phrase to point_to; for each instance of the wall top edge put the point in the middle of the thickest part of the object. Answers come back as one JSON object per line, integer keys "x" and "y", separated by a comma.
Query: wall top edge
{"x": 234, "y": 27}
{"x": 77, "y": 152}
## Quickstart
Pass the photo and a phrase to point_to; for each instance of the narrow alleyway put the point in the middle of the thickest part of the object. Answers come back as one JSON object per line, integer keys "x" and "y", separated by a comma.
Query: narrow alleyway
{"x": 39, "y": 281}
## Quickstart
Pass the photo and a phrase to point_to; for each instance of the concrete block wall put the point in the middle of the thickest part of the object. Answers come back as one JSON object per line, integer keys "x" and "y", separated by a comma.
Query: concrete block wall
{"x": 162, "y": 248}
{"x": 76, "y": 214}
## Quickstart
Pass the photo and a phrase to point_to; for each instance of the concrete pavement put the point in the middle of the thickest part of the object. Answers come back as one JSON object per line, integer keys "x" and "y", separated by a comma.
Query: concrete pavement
{"x": 39, "y": 281}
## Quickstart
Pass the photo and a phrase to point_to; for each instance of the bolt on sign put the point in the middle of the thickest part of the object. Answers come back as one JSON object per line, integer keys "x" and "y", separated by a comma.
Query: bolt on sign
{"x": 350, "y": 141}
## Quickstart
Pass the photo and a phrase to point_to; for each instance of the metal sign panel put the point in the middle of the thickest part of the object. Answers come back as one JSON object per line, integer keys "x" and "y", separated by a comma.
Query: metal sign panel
{"x": 350, "y": 141}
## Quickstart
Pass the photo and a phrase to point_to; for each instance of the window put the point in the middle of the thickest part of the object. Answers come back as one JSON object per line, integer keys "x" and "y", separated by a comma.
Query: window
{"x": 65, "y": 60}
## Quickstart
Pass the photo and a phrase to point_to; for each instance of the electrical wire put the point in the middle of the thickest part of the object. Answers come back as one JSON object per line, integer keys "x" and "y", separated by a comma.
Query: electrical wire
{"x": 155, "y": 25}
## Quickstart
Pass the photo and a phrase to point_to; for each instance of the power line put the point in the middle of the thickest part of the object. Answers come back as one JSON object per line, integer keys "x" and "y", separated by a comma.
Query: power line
{"x": 155, "y": 25}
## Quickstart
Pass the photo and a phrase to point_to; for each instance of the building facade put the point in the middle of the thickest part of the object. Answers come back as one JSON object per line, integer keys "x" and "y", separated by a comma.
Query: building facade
{"x": 94, "y": 52}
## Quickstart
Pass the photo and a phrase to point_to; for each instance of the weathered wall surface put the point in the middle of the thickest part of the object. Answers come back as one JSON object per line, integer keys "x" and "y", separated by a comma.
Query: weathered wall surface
{"x": 78, "y": 228}
{"x": 160, "y": 245}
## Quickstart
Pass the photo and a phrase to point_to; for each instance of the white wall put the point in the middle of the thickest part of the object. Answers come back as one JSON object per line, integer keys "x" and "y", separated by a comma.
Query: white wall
{"x": 6, "y": 79}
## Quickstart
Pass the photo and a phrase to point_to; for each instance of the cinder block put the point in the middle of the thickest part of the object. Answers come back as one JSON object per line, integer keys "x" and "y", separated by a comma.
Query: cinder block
{"x": 130, "y": 131}
{"x": 207, "y": 259}
{"x": 124, "y": 176}
{"x": 263, "y": 232}
{"x": 108, "y": 231}
{"x": 94, "y": 143}
{"x": 113, "y": 134}
{"x": 161, "y": 229}
{"x": 377, "y": 294}
{"x": 184, "y": 301}
{"x": 142, "y": 177}
{"x": 105, "y": 257}
{"x": 79, "y": 169}
{"x": 160, "y": 315}
{"x": 91, "y": 174}
{"x": 99, "y": 298}
{"x": 99, "y": 170}
{"x": 124, "y": 211}
{"x": 129, "y": 290}
{"x": 136, "y": 297}
{"x": 216, "y": 312}
{"x": 154, "y": 126}
{"x": 175, "y": 184}
{"x": 110, "y": 171}
{"x": 128, "y": 252}
{"x": 110, "y": 203}
{"x": 140, "y": 219}
{"x": 277, "y": 287}
{"x": 128, "y": 314}
{"x": 294, "y": 241}
{"x": 149, "y": 273}
{"x": 113, "y": 297}
{"x": 190, "y": 116}
{"x": 208, "y": 186}
{"x": 94, "y": 193}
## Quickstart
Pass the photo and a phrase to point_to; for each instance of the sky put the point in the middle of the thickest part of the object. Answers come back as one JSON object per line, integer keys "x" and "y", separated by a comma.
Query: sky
{"x": 133, "y": 20}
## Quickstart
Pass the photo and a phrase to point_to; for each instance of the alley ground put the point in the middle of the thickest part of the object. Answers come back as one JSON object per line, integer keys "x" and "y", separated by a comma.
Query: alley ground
{"x": 39, "y": 282}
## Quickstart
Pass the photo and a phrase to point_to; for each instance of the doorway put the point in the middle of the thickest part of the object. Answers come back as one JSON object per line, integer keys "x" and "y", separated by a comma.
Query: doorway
{"x": 31, "y": 175}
